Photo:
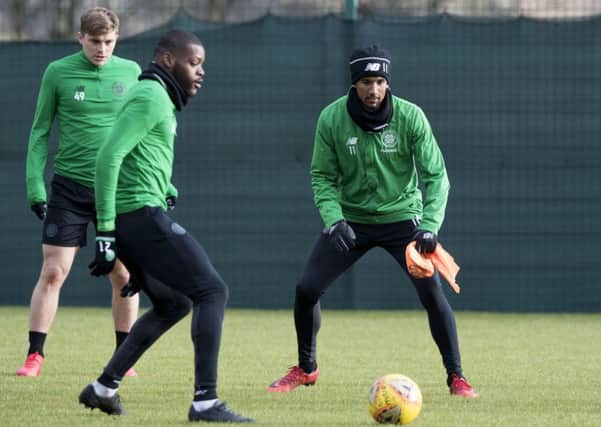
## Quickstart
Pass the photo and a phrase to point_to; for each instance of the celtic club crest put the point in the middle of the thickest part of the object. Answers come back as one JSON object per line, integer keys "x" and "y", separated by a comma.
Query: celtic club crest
{"x": 389, "y": 141}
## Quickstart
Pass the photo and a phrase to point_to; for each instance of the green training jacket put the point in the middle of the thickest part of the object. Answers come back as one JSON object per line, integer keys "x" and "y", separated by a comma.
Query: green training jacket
{"x": 85, "y": 99}
{"x": 134, "y": 165}
{"x": 372, "y": 178}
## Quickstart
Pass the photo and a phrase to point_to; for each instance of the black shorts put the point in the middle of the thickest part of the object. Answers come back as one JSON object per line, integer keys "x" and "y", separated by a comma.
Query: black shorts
{"x": 70, "y": 209}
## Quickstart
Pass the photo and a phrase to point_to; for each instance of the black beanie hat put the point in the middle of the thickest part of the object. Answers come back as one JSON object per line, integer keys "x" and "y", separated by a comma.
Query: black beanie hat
{"x": 370, "y": 61}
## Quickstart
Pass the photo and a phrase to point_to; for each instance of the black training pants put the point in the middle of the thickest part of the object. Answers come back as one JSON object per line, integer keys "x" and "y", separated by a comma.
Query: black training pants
{"x": 173, "y": 269}
{"x": 325, "y": 264}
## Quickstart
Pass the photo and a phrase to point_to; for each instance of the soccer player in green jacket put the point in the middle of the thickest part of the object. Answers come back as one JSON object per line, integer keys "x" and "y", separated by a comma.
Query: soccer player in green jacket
{"x": 133, "y": 172}
{"x": 83, "y": 92}
{"x": 371, "y": 149}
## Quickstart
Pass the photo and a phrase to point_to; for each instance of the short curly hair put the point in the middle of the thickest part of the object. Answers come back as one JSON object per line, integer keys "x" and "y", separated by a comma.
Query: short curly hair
{"x": 174, "y": 41}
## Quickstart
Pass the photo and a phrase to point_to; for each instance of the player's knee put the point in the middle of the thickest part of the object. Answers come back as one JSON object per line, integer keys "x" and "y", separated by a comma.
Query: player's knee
{"x": 119, "y": 276}
{"x": 432, "y": 298}
{"x": 306, "y": 294}
{"x": 214, "y": 291}
{"x": 174, "y": 309}
{"x": 223, "y": 292}
{"x": 53, "y": 275}
{"x": 218, "y": 292}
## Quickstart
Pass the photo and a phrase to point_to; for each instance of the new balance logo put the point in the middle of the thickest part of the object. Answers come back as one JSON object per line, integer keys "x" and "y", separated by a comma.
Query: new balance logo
{"x": 372, "y": 66}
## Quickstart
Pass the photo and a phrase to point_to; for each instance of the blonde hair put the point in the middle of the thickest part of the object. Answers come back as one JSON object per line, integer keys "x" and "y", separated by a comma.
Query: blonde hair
{"x": 98, "y": 21}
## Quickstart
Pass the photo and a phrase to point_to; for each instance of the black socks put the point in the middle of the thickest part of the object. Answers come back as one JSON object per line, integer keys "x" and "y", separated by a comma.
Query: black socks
{"x": 205, "y": 394}
{"x": 308, "y": 367}
{"x": 36, "y": 342}
{"x": 120, "y": 337}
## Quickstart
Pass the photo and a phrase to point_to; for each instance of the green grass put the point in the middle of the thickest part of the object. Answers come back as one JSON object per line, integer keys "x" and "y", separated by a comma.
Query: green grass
{"x": 531, "y": 370}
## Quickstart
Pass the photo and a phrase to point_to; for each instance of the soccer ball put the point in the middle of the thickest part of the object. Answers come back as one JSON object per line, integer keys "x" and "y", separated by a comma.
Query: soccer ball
{"x": 394, "y": 399}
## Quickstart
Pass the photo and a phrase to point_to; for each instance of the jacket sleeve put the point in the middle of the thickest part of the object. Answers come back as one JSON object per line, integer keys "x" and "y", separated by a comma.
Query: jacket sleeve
{"x": 325, "y": 174}
{"x": 137, "y": 117}
{"x": 37, "y": 148}
{"x": 432, "y": 173}
{"x": 172, "y": 191}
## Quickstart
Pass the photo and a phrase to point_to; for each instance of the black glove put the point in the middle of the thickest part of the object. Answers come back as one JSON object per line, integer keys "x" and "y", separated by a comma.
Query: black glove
{"x": 171, "y": 200}
{"x": 425, "y": 242}
{"x": 341, "y": 236}
{"x": 130, "y": 289}
{"x": 106, "y": 254}
{"x": 40, "y": 209}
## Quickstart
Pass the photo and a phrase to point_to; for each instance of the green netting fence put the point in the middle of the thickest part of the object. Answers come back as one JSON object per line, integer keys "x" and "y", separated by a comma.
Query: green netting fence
{"x": 515, "y": 105}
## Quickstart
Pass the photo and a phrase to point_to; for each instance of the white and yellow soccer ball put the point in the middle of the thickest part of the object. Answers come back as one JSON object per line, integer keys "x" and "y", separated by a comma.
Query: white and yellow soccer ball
{"x": 394, "y": 399}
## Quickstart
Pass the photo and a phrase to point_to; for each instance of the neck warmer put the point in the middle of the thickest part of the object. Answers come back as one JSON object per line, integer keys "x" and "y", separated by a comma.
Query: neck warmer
{"x": 366, "y": 119}
{"x": 178, "y": 96}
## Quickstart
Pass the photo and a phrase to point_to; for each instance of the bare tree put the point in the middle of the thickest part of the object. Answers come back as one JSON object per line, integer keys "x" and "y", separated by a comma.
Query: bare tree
{"x": 218, "y": 9}
{"x": 19, "y": 11}
{"x": 58, "y": 19}
{"x": 435, "y": 6}
{"x": 401, "y": 7}
{"x": 64, "y": 24}
{"x": 216, "y": 12}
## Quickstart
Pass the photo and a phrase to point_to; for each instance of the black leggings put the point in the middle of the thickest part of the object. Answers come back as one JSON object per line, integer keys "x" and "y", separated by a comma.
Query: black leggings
{"x": 173, "y": 269}
{"x": 325, "y": 264}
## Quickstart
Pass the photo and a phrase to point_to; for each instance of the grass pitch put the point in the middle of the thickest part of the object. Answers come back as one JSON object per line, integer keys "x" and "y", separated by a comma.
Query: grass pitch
{"x": 531, "y": 369}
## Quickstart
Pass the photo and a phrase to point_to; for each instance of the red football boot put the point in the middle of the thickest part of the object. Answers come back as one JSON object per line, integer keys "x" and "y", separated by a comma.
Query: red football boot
{"x": 32, "y": 366}
{"x": 295, "y": 377}
{"x": 460, "y": 387}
